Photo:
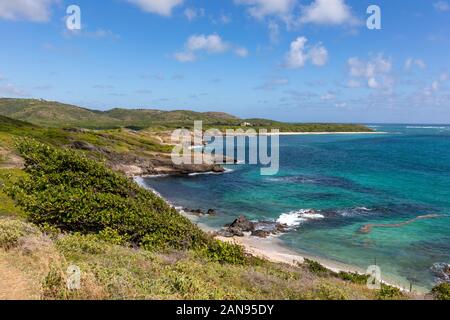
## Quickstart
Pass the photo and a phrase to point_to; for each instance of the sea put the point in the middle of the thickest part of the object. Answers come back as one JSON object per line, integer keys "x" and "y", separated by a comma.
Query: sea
{"x": 397, "y": 182}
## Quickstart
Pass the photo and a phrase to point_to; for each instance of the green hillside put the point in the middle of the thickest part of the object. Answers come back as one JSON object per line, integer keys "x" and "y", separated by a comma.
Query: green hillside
{"x": 55, "y": 114}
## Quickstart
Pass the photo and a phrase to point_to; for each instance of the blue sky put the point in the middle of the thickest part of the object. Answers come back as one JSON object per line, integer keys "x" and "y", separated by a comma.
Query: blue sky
{"x": 290, "y": 60}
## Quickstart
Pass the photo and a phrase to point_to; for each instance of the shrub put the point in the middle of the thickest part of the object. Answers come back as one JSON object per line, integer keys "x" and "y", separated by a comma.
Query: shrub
{"x": 70, "y": 192}
{"x": 389, "y": 292}
{"x": 317, "y": 268}
{"x": 441, "y": 291}
{"x": 353, "y": 277}
{"x": 224, "y": 252}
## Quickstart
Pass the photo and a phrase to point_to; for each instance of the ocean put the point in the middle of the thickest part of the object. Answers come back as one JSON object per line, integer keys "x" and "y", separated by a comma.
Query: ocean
{"x": 350, "y": 181}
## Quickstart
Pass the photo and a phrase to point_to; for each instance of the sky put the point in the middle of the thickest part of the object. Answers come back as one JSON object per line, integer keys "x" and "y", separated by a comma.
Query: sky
{"x": 289, "y": 60}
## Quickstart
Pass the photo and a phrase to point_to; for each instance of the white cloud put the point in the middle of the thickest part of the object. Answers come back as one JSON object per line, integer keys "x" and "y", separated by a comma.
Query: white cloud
{"x": 441, "y": 6}
{"x": 185, "y": 56}
{"x": 331, "y": 12}
{"x": 376, "y": 72}
{"x": 262, "y": 8}
{"x": 318, "y": 55}
{"x": 161, "y": 7}
{"x": 241, "y": 52}
{"x": 410, "y": 62}
{"x": 192, "y": 13}
{"x": 212, "y": 44}
{"x": 299, "y": 54}
{"x": 32, "y": 10}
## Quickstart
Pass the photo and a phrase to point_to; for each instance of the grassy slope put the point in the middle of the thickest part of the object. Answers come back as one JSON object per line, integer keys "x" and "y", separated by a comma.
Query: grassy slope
{"x": 54, "y": 114}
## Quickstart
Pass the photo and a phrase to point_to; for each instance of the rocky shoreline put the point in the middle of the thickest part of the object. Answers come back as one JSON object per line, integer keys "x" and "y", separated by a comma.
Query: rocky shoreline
{"x": 242, "y": 226}
{"x": 141, "y": 165}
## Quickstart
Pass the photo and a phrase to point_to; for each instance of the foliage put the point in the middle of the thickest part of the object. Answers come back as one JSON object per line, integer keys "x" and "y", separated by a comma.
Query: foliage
{"x": 389, "y": 292}
{"x": 224, "y": 252}
{"x": 353, "y": 277}
{"x": 441, "y": 291}
{"x": 316, "y": 268}
{"x": 75, "y": 194}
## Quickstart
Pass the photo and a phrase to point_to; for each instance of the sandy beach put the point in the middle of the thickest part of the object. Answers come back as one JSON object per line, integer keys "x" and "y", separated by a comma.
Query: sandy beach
{"x": 304, "y": 133}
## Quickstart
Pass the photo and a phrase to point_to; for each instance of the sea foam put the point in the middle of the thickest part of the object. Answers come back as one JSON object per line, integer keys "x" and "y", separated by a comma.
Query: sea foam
{"x": 295, "y": 218}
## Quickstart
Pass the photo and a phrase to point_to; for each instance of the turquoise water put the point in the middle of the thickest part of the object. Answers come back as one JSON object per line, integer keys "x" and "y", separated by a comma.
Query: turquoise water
{"x": 352, "y": 180}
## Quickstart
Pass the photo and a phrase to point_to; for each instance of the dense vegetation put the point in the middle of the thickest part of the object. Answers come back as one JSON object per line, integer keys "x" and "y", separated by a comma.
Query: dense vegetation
{"x": 55, "y": 114}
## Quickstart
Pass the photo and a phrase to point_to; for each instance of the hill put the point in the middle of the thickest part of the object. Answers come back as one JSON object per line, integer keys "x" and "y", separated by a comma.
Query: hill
{"x": 55, "y": 114}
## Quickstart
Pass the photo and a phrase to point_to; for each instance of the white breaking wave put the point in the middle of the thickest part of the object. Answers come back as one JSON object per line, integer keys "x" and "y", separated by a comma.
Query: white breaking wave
{"x": 227, "y": 170}
{"x": 296, "y": 218}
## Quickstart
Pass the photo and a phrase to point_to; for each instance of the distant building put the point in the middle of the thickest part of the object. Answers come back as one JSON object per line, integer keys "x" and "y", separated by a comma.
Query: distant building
{"x": 246, "y": 124}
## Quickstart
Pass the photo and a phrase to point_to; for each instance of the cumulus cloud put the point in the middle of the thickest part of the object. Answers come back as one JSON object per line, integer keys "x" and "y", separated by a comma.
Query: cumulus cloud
{"x": 192, "y": 13}
{"x": 32, "y": 10}
{"x": 441, "y": 6}
{"x": 376, "y": 72}
{"x": 241, "y": 52}
{"x": 212, "y": 44}
{"x": 161, "y": 7}
{"x": 262, "y": 8}
{"x": 328, "y": 12}
{"x": 299, "y": 54}
{"x": 185, "y": 56}
{"x": 411, "y": 62}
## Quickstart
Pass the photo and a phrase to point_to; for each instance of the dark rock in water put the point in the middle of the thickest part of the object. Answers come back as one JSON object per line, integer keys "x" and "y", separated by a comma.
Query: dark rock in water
{"x": 261, "y": 229}
{"x": 282, "y": 227}
{"x": 211, "y": 212}
{"x": 261, "y": 233}
{"x": 441, "y": 271}
{"x": 197, "y": 212}
{"x": 243, "y": 224}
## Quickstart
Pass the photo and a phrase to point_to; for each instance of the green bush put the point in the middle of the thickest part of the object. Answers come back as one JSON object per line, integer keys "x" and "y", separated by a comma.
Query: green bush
{"x": 441, "y": 291}
{"x": 224, "y": 252}
{"x": 317, "y": 268}
{"x": 353, "y": 277}
{"x": 389, "y": 292}
{"x": 72, "y": 193}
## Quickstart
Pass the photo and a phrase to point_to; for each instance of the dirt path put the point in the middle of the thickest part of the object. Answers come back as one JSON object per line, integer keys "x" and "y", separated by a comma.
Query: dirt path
{"x": 14, "y": 284}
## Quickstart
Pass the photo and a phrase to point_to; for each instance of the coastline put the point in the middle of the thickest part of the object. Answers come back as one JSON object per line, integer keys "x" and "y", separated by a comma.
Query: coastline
{"x": 273, "y": 250}
{"x": 307, "y": 133}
